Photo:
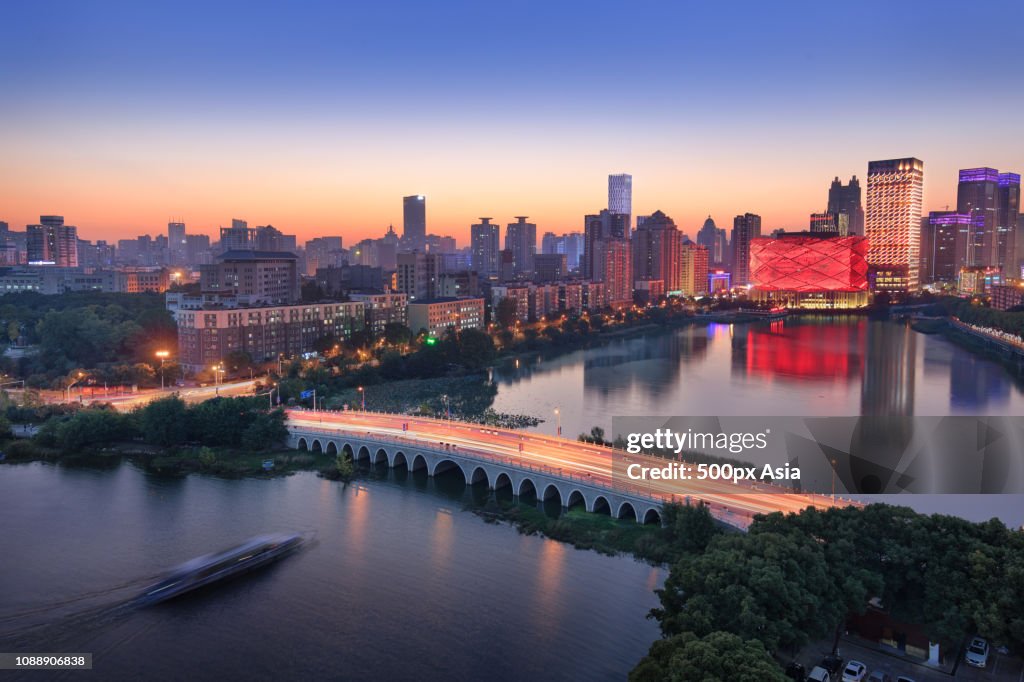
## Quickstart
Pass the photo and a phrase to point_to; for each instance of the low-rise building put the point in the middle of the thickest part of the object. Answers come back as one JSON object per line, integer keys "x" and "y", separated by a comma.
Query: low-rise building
{"x": 208, "y": 333}
{"x": 382, "y": 309}
{"x": 437, "y": 316}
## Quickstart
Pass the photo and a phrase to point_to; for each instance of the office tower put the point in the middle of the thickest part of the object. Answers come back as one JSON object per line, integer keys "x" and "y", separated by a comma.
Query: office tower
{"x": 52, "y": 242}
{"x": 943, "y": 245}
{"x": 713, "y": 238}
{"x": 845, "y": 199}
{"x": 601, "y": 226}
{"x": 893, "y": 223}
{"x": 620, "y": 195}
{"x": 417, "y": 274}
{"x": 414, "y": 222}
{"x": 656, "y": 252}
{"x": 521, "y": 240}
{"x": 976, "y": 197}
{"x": 176, "y": 243}
{"x": 238, "y": 237}
{"x": 744, "y": 228}
{"x": 486, "y": 246}
{"x": 1007, "y": 213}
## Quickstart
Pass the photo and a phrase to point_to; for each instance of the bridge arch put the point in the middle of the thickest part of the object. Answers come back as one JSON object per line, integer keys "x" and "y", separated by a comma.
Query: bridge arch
{"x": 551, "y": 491}
{"x": 502, "y": 480}
{"x": 479, "y": 475}
{"x": 443, "y": 465}
{"x": 526, "y": 488}
{"x": 399, "y": 460}
{"x": 317, "y": 446}
{"x": 363, "y": 453}
{"x": 332, "y": 448}
{"x": 601, "y": 506}
{"x": 379, "y": 457}
{"x": 626, "y": 511}
{"x": 418, "y": 462}
{"x": 652, "y": 516}
{"x": 575, "y": 499}
{"x": 302, "y": 445}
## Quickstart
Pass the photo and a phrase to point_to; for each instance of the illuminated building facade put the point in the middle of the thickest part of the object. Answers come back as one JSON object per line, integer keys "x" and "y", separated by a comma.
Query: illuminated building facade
{"x": 893, "y": 223}
{"x": 944, "y": 237}
{"x": 745, "y": 228}
{"x": 805, "y": 271}
{"x": 443, "y": 314}
{"x": 718, "y": 281}
{"x": 693, "y": 270}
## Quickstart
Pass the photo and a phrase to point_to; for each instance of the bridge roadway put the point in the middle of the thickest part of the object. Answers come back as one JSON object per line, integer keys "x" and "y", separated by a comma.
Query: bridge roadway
{"x": 529, "y": 462}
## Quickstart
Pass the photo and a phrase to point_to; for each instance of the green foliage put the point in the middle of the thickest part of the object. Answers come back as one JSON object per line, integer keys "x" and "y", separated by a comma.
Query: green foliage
{"x": 162, "y": 422}
{"x": 92, "y": 426}
{"x": 343, "y": 465}
{"x": 690, "y": 527}
{"x": 207, "y": 457}
{"x": 505, "y": 313}
{"x": 716, "y": 657}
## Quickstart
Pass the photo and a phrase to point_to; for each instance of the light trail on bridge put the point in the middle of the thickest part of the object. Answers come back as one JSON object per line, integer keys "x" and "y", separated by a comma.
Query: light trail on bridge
{"x": 737, "y": 503}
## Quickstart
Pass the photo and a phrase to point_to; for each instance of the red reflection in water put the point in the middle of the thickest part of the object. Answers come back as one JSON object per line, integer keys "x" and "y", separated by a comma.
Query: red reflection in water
{"x": 802, "y": 351}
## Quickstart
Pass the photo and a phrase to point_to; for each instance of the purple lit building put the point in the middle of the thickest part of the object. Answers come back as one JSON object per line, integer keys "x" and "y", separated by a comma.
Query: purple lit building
{"x": 976, "y": 197}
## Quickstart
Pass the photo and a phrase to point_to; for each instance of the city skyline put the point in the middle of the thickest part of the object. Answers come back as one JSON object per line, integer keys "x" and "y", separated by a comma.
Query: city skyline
{"x": 306, "y": 123}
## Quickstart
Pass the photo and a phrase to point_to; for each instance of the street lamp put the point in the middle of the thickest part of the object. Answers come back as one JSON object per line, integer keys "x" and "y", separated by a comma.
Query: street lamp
{"x": 218, "y": 370}
{"x": 67, "y": 391}
{"x": 163, "y": 355}
{"x": 362, "y": 394}
{"x": 273, "y": 387}
{"x": 558, "y": 417}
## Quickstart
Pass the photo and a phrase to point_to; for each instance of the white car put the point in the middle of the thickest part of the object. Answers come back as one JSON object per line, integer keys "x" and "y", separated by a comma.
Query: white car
{"x": 855, "y": 671}
{"x": 977, "y": 653}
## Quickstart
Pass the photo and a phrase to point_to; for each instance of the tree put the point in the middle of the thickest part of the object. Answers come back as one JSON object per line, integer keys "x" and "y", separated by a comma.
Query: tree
{"x": 505, "y": 313}
{"x": 397, "y": 334}
{"x": 475, "y": 349}
{"x": 266, "y": 430}
{"x": 690, "y": 527}
{"x": 163, "y": 422}
{"x": 716, "y": 657}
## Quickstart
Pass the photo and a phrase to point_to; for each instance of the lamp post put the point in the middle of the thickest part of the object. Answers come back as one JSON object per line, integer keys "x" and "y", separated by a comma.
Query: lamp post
{"x": 218, "y": 370}
{"x": 162, "y": 354}
{"x": 362, "y": 394}
{"x": 834, "y": 464}
{"x": 558, "y": 417}
{"x": 270, "y": 395}
{"x": 67, "y": 392}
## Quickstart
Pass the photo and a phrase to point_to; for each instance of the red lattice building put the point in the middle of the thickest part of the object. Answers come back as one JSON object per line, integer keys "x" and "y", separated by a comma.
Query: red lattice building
{"x": 802, "y": 271}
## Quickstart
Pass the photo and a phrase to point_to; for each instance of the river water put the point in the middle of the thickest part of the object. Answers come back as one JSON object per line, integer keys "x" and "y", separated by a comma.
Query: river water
{"x": 402, "y": 583}
{"x": 810, "y": 366}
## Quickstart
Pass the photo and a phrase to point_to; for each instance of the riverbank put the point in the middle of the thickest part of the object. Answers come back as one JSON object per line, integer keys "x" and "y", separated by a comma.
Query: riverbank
{"x": 942, "y": 327}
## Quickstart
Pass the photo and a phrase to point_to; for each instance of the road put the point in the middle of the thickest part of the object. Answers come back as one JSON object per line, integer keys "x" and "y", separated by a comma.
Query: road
{"x": 571, "y": 458}
{"x": 129, "y": 401}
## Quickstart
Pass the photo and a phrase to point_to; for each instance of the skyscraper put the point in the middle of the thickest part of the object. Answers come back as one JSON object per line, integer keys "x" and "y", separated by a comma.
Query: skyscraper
{"x": 744, "y": 228}
{"x": 1007, "y": 213}
{"x": 976, "y": 197}
{"x": 893, "y": 223}
{"x": 620, "y": 195}
{"x": 414, "y": 221}
{"x": 486, "y": 245}
{"x": 656, "y": 252}
{"x": 177, "y": 244}
{"x": 603, "y": 225}
{"x": 521, "y": 240}
{"x": 943, "y": 243}
{"x": 52, "y": 242}
{"x": 713, "y": 238}
{"x": 845, "y": 199}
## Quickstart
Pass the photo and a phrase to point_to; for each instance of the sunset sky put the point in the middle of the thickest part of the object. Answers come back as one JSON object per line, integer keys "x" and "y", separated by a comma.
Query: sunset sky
{"x": 318, "y": 118}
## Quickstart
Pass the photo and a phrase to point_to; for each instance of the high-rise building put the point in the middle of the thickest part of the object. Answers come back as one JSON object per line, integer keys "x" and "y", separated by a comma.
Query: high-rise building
{"x": 238, "y": 237}
{"x": 601, "y": 226}
{"x": 656, "y": 252}
{"x": 252, "y": 277}
{"x": 893, "y": 223}
{"x": 845, "y": 199}
{"x": 714, "y": 239}
{"x": 976, "y": 197}
{"x": 177, "y": 244}
{"x": 613, "y": 267}
{"x": 693, "y": 270}
{"x": 414, "y": 222}
{"x": 620, "y": 195}
{"x": 52, "y": 242}
{"x": 486, "y": 245}
{"x": 1007, "y": 212}
{"x": 744, "y": 228}
{"x": 436, "y": 243}
{"x": 943, "y": 245}
{"x": 323, "y": 252}
{"x": 550, "y": 267}
{"x": 521, "y": 240}
{"x": 828, "y": 223}
{"x": 197, "y": 249}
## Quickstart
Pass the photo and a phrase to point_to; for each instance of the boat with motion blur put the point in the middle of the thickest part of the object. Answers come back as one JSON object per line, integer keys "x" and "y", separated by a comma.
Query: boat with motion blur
{"x": 212, "y": 568}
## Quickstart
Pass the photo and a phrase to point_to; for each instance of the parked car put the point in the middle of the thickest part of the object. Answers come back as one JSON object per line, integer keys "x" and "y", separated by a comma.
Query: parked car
{"x": 879, "y": 676}
{"x": 796, "y": 672}
{"x": 855, "y": 671}
{"x": 977, "y": 653}
{"x": 833, "y": 664}
{"x": 819, "y": 674}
